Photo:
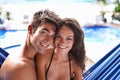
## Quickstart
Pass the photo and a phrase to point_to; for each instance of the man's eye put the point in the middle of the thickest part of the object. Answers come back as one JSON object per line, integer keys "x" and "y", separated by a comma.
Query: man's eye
{"x": 53, "y": 36}
{"x": 44, "y": 32}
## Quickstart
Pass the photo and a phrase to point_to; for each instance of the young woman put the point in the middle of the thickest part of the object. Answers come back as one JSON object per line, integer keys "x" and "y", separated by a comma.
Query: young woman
{"x": 67, "y": 60}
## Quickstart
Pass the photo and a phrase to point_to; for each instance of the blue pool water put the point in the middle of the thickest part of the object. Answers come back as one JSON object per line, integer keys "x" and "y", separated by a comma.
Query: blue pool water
{"x": 99, "y": 40}
{"x": 12, "y": 37}
{"x": 101, "y": 34}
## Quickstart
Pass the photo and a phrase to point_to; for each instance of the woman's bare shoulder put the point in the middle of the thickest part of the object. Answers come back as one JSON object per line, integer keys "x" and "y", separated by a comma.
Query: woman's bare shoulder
{"x": 77, "y": 71}
{"x": 75, "y": 66}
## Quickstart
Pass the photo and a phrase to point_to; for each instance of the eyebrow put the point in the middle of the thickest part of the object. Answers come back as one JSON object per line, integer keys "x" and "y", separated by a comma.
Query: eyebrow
{"x": 71, "y": 36}
{"x": 67, "y": 36}
{"x": 46, "y": 29}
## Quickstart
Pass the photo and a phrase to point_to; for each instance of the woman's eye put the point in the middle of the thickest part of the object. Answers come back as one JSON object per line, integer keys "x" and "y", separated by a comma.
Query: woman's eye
{"x": 57, "y": 36}
{"x": 69, "y": 38}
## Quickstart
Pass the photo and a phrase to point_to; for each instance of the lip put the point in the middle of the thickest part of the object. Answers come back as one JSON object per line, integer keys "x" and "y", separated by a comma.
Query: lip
{"x": 62, "y": 47}
{"x": 43, "y": 44}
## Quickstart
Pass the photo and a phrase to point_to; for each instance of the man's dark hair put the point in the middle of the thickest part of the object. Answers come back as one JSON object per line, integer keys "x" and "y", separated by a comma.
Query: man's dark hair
{"x": 45, "y": 16}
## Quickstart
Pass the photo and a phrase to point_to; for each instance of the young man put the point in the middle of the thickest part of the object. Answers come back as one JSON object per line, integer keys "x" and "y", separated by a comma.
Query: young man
{"x": 41, "y": 31}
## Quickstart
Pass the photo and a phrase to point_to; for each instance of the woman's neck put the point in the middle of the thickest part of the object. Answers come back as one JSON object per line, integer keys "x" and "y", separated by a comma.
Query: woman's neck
{"x": 61, "y": 56}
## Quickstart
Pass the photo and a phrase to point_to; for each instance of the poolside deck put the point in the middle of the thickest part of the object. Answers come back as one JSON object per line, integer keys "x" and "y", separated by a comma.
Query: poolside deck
{"x": 113, "y": 25}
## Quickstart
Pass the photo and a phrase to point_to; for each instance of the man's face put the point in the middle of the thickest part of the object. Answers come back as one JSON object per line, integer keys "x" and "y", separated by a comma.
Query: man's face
{"x": 43, "y": 37}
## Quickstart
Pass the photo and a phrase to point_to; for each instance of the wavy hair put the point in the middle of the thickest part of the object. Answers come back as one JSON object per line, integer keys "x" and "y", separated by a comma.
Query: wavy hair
{"x": 78, "y": 50}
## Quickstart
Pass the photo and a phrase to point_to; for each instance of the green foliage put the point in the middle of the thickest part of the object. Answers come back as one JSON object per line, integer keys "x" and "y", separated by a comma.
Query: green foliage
{"x": 103, "y": 12}
{"x": 117, "y": 11}
{"x": 104, "y": 2}
{"x": 117, "y": 8}
{"x": 0, "y": 10}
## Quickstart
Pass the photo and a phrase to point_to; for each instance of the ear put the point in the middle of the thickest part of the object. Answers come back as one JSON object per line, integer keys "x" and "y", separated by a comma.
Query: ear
{"x": 30, "y": 29}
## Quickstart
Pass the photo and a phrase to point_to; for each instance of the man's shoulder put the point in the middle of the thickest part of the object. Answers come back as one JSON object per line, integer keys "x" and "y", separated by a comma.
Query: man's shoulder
{"x": 18, "y": 67}
{"x": 14, "y": 63}
{"x": 1, "y": 78}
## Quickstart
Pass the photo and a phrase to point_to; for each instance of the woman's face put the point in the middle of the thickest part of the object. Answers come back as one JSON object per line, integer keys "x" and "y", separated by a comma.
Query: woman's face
{"x": 43, "y": 37}
{"x": 64, "y": 40}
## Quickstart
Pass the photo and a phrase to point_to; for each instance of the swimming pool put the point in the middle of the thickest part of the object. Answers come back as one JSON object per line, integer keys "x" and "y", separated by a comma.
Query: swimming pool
{"x": 99, "y": 40}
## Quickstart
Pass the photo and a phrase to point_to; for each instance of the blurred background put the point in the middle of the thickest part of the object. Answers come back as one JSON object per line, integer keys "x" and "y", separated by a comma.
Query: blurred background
{"x": 99, "y": 19}
{"x": 86, "y": 11}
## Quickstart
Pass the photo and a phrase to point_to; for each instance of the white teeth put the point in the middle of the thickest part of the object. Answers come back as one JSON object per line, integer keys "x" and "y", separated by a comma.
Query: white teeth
{"x": 44, "y": 44}
{"x": 62, "y": 47}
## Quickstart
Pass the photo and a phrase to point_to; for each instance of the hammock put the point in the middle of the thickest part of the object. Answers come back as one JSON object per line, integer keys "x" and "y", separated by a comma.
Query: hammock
{"x": 107, "y": 68}
{"x": 3, "y": 55}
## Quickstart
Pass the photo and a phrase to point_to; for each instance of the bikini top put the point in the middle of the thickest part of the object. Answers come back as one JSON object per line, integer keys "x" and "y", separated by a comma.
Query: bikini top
{"x": 71, "y": 77}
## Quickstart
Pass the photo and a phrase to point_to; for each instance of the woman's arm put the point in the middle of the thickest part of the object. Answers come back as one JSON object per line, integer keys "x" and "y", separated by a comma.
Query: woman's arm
{"x": 40, "y": 66}
{"x": 77, "y": 72}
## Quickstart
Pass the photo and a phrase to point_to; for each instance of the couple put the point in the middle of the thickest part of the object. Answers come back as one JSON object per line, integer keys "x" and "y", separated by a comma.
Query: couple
{"x": 53, "y": 50}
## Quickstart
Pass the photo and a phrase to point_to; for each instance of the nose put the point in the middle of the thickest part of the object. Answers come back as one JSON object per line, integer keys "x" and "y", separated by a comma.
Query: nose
{"x": 63, "y": 41}
{"x": 48, "y": 39}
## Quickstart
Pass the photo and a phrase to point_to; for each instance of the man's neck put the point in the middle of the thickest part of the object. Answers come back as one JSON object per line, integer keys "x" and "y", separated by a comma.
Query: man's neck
{"x": 28, "y": 50}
